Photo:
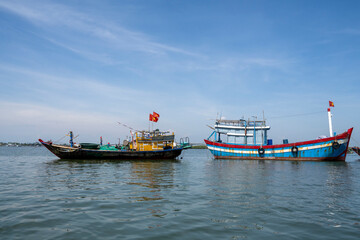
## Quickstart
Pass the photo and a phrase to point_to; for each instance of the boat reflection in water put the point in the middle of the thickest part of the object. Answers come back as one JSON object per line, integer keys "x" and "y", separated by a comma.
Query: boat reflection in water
{"x": 152, "y": 177}
{"x": 116, "y": 182}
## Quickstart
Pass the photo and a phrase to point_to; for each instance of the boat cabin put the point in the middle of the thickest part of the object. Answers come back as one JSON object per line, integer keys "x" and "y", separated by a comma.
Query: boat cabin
{"x": 152, "y": 141}
{"x": 246, "y": 132}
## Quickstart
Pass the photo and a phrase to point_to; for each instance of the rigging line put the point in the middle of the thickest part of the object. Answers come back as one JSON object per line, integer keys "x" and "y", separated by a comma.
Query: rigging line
{"x": 122, "y": 124}
{"x": 297, "y": 115}
{"x": 355, "y": 140}
{"x": 60, "y": 139}
{"x": 125, "y": 125}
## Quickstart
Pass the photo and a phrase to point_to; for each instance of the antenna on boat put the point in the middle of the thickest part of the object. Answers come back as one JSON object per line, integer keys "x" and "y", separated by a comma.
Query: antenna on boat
{"x": 255, "y": 119}
{"x": 263, "y": 117}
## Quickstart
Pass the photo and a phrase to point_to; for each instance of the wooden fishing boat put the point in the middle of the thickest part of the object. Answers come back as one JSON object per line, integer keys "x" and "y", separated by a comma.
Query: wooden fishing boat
{"x": 142, "y": 145}
{"x": 185, "y": 143}
{"x": 356, "y": 150}
{"x": 248, "y": 140}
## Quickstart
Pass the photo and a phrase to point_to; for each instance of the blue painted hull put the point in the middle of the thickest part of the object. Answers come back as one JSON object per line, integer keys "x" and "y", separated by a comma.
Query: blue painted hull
{"x": 327, "y": 149}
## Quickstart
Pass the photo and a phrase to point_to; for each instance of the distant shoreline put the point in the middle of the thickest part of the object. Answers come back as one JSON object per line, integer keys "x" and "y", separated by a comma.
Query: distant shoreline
{"x": 199, "y": 147}
{"x": 16, "y": 144}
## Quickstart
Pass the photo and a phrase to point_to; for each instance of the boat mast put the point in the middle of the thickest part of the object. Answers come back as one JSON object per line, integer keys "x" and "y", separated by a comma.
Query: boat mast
{"x": 330, "y": 123}
{"x": 255, "y": 119}
{"x": 262, "y": 132}
{"x": 71, "y": 139}
{"x": 245, "y": 136}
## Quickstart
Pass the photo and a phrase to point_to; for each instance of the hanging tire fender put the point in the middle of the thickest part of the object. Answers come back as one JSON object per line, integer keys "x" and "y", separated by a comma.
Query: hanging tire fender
{"x": 261, "y": 151}
{"x": 294, "y": 149}
{"x": 335, "y": 145}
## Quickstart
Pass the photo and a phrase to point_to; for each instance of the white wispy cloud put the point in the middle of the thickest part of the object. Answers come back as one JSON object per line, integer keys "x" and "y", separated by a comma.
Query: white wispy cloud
{"x": 91, "y": 55}
{"x": 48, "y": 14}
{"x": 79, "y": 90}
{"x": 54, "y": 87}
{"x": 349, "y": 31}
{"x": 28, "y": 122}
{"x": 108, "y": 42}
{"x": 266, "y": 62}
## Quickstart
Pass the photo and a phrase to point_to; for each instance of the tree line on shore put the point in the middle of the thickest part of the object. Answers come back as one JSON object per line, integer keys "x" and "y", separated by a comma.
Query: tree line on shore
{"x": 16, "y": 144}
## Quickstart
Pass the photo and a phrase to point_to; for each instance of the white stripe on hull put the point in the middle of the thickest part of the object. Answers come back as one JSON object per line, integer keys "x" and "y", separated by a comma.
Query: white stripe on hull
{"x": 271, "y": 151}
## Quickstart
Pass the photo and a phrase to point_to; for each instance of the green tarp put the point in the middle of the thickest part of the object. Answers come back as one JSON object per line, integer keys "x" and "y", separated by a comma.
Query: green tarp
{"x": 108, "y": 148}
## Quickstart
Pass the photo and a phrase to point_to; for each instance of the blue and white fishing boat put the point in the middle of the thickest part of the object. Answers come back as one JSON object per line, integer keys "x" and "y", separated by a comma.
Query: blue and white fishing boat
{"x": 248, "y": 140}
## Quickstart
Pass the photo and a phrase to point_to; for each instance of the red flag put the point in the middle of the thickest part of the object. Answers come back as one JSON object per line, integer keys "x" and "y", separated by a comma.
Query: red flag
{"x": 331, "y": 104}
{"x": 153, "y": 118}
{"x": 156, "y": 115}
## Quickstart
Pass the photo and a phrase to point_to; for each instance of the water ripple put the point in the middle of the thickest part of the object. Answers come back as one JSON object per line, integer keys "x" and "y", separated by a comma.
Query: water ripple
{"x": 195, "y": 198}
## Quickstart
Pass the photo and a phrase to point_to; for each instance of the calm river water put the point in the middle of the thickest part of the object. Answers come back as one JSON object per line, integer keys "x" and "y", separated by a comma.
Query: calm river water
{"x": 195, "y": 197}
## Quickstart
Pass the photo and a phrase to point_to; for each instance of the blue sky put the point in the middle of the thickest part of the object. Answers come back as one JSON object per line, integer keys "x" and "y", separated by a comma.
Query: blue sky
{"x": 86, "y": 65}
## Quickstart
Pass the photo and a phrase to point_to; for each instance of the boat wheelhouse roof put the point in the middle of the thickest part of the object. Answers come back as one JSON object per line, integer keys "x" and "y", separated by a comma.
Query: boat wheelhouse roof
{"x": 155, "y": 135}
{"x": 231, "y": 122}
{"x": 240, "y": 131}
{"x": 241, "y": 124}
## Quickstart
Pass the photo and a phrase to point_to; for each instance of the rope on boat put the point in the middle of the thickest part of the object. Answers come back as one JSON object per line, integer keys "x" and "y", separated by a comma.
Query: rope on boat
{"x": 355, "y": 141}
{"x": 66, "y": 135}
{"x": 123, "y": 124}
{"x": 60, "y": 139}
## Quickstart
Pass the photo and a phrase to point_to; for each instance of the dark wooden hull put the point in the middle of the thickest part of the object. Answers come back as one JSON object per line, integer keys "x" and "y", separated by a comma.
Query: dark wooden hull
{"x": 65, "y": 152}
